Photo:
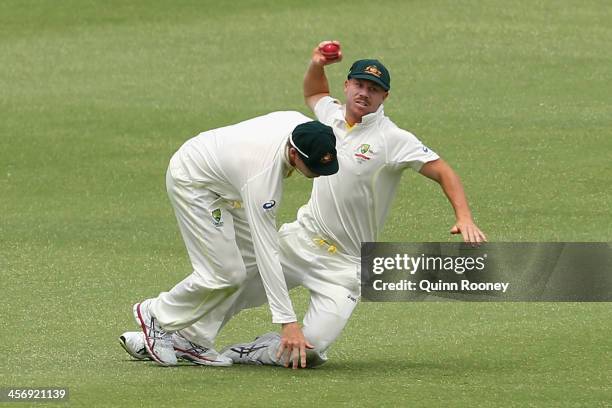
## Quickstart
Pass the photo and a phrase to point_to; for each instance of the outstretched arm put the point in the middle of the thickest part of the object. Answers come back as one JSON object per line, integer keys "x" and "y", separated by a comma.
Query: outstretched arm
{"x": 443, "y": 174}
{"x": 315, "y": 81}
{"x": 262, "y": 224}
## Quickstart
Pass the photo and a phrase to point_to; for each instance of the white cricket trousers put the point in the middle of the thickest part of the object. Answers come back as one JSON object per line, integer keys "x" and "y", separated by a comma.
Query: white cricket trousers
{"x": 209, "y": 230}
{"x": 331, "y": 278}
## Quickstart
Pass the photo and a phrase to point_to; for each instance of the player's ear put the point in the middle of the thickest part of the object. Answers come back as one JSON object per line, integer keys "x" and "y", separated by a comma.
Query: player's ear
{"x": 386, "y": 94}
{"x": 292, "y": 155}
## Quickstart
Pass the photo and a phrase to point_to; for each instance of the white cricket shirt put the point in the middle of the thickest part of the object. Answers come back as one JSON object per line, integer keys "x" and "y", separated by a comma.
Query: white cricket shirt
{"x": 351, "y": 206}
{"x": 246, "y": 163}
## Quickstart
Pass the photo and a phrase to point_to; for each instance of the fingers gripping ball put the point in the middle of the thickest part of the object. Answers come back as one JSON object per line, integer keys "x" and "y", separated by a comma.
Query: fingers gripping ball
{"x": 330, "y": 50}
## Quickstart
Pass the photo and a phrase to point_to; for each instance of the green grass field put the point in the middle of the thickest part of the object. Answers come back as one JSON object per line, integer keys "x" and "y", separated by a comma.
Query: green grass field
{"x": 95, "y": 96}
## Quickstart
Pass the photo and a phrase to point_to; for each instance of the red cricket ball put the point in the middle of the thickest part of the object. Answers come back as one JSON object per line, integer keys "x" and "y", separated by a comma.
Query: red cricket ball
{"x": 330, "y": 49}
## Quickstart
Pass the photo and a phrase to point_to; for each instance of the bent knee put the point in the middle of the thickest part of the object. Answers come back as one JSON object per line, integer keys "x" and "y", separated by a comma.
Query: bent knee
{"x": 234, "y": 276}
{"x": 319, "y": 341}
{"x": 324, "y": 331}
{"x": 229, "y": 275}
{"x": 238, "y": 279}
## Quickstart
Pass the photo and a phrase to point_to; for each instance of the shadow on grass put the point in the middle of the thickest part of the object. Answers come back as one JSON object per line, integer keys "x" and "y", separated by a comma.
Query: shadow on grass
{"x": 369, "y": 366}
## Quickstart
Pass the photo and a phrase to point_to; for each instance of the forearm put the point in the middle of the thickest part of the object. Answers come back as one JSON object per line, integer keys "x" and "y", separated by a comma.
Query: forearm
{"x": 264, "y": 236}
{"x": 443, "y": 174}
{"x": 273, "y": 281}
{"x": 315, "y": 81}
{"x": 453, "y": 189}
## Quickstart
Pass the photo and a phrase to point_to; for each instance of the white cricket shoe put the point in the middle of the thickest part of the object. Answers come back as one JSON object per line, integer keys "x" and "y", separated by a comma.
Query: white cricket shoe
{"x": 134, "y": 344}
{"x": 261, "y": 351}
{"x": 157, "y": 341}
{"x": 197, "y": 354}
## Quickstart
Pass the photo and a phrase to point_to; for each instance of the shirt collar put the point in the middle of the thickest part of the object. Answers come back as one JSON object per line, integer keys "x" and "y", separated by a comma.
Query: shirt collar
{"x": 370, "y": 118}
{"x": 366, "y": 120}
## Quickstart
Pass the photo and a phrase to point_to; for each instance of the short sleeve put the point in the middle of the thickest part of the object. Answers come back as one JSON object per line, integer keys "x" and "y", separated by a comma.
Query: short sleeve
{"x": 326, "y": 109}
{"x": 405, "y": 150}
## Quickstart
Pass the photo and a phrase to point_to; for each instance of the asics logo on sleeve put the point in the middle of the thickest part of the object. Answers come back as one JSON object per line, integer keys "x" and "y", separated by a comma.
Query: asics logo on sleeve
{"x": 268, "y": 205}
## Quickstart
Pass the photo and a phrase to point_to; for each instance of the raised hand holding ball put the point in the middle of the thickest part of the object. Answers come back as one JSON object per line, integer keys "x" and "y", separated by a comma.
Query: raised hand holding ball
{"x": 330, "y": 50}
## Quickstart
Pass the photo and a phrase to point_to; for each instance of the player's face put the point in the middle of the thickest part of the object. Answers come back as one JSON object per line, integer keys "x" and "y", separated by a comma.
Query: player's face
{"x": 362, "y": 97}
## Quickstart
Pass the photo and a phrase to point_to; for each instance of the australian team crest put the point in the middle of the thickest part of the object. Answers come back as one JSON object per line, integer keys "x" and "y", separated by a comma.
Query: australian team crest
{"x": 373, "y": 70}
{"x": 217, "y": 218}
{"x": 363, "y": 152}
{"x": 327, "y": 158}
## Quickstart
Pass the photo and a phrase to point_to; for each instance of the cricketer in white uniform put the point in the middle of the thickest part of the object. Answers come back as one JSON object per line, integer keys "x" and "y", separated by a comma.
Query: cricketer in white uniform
{"x": 321, "y": 250}
{"x": 225, "y": 186}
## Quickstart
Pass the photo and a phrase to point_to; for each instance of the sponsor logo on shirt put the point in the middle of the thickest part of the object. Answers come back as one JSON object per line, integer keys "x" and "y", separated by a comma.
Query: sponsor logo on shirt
{"x": 217, "y": 217}
{"x": 269, "y": 204}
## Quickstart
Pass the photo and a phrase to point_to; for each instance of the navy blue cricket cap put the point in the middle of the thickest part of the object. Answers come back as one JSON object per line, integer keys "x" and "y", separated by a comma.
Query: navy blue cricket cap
{"x": 316, "y": 144}
{"x": 372, "y": 70}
